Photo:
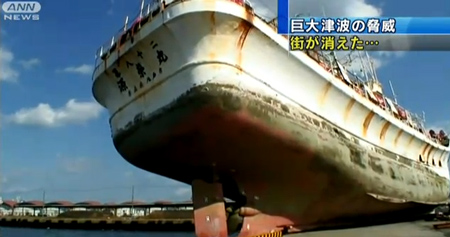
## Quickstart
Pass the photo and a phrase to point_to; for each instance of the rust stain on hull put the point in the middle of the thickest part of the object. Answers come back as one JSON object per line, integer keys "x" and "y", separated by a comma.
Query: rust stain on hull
{"x": 399, "y": 133}
{"x": 367, "y": 122}
{"x": 411, "y": 138}
{"x": 424, "y": 151}
{"x": 384, "y": 129}
{"x": 323, "y": 97}
{"x": 244, "y": 27}
{"x": 212, "y": 18}
{"x": 348, "y": 108}
{"x": 212, "y": 56}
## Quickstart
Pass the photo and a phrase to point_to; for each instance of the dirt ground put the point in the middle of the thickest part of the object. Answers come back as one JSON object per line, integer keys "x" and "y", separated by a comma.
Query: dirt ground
{"x": 408, "y": 229}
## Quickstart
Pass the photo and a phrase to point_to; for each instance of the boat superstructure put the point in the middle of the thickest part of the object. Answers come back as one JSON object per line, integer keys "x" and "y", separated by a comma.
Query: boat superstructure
{"x": 206, "y": 93}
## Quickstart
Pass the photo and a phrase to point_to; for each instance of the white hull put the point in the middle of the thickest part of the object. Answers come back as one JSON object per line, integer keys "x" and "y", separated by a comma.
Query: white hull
{"x": 210, "y": 42}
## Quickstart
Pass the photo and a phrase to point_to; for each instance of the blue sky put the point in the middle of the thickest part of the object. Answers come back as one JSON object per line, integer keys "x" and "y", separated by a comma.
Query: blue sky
{"x": 54, "y": 137}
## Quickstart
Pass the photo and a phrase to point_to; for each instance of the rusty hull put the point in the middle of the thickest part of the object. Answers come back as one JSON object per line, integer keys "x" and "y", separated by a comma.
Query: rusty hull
{"x": 282, "y": 161}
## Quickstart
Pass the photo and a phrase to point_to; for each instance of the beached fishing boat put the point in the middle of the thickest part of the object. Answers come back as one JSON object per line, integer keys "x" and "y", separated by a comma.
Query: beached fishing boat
{"x": 206, "y": 93}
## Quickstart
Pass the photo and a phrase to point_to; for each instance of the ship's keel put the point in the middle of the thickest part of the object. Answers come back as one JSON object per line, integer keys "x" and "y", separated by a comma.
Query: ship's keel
{"x": 214, "y": 219}
{"x": 209, "y": 209}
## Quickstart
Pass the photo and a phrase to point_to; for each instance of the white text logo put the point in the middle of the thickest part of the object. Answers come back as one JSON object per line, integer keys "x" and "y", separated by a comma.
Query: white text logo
{"x": 21, "y": 11}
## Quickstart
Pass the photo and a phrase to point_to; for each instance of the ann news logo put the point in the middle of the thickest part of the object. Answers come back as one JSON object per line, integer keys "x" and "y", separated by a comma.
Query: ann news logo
{"x": 21, "y": 11}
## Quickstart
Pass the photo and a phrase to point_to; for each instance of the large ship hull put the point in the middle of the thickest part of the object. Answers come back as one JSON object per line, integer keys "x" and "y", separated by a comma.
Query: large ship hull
{"x": 285, "y": 167}
{"x": 225, "y": 103}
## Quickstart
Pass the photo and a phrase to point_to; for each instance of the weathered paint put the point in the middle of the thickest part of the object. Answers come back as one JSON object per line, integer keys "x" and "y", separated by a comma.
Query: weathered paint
{"x": 209, "y": 209}
{"x": 384, "y": 130}
{"x": 213, "y": 22}
{"x": 367, "y": 121}
{"x": 424, "y": 152}
{"x": 226, "y": 50}
{"x": 324, "y": 94}
{"x": 411, "y": 139}
{"x": 244, "y": 27}
{"x": 260, "y": 107}
{"x": 348, "y": 109}
{"x": 333, "y": 167}
{"x": 429, "y": 153}
{"x": 399, "y": 133}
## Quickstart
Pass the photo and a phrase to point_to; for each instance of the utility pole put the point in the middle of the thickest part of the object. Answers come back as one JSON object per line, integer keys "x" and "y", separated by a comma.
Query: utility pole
{"x": 132, "y": 201}
{"x": 43, "y": 202}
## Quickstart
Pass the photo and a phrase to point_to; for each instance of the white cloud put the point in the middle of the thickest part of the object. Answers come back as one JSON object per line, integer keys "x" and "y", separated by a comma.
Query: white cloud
{"x": 391, "y": 54}
{"x": 75, "y": 165}
{"x": 381, "y": 58}
{"x": 82, "y": 69}
{"x": 7, "y": 72}
{"x": 1, "y": 120}
{"x": 184, "y": 191}
{"x": 128, "y": 174}
{"x": 378, "y": 59}
{"x": 349, "y": 8}
{"x": 18, "y": 189}
{"x": 43, "y": 115}
{"x": 110, "y": 10}
{"x": 336, "y": 8}
{"x": 28, "y": 64}
{"x": 4, "y": 180}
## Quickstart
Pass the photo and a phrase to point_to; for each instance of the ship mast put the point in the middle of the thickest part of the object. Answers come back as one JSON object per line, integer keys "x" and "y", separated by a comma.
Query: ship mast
{"x": 371, "y": 66}
{"x": 363, "y": 67}
{"x": 393, "y": 92}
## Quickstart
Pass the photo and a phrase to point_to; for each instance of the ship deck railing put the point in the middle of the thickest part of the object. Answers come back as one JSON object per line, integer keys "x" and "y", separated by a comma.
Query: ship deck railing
{"x": 148, "y": 10}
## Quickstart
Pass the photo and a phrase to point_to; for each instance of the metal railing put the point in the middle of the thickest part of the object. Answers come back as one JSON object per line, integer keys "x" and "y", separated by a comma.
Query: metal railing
{"x": 148, "y": 9}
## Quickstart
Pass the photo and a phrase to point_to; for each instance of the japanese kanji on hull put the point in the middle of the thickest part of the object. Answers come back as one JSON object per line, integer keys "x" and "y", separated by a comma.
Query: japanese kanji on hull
{"x": 205, "y": 92}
